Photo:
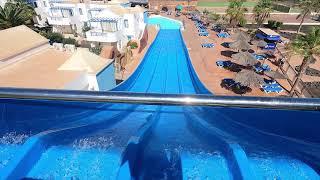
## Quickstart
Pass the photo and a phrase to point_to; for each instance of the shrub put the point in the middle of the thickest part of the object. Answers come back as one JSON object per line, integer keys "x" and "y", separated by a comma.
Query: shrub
{"x": 95, "y": 50}
{"x": 55, "y": 37}
{"x": 272, "y": 24}
{"x": 69, "y": 41}
{"x": 165, "y": 9}
{"x": 206, "y": 12}
{"x": 86, "y": 28}
{"x": 133, "y": 44}
{"x": 242, "y": 22}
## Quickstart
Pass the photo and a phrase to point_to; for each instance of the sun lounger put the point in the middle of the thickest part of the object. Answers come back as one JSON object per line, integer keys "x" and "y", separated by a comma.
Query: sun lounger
{"x": 202, "y": 30}
{"x": 266, "y": 67}
{"x": 259, "y": 56}
{"x": 270, "y": 81}
{"x": 226, "y": 44}
{"x": 276, "y": 85}
{"x": 273, "y": 90}
{"x": 207, "y": 45}
{"x": 223, "y": 64}
{"x": 200, "y": 27}
{"x": 261, "y": 68}
{"x": 223, "y": 35}
{"x": 229, "y": 83}
{"x": 203, "y": 34}
{"x": 258, "y": 69}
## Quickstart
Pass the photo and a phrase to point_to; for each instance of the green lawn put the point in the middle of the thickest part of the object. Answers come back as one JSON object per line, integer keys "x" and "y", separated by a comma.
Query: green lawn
{"x": 223, "y": 4}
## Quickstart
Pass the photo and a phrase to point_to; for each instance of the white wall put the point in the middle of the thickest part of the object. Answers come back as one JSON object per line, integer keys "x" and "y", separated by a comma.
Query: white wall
{"x": 80, "y": 83}
{"x": 2, "y": 2}
{"x": 93, "y": 83}
{"x": 135, "y": 21}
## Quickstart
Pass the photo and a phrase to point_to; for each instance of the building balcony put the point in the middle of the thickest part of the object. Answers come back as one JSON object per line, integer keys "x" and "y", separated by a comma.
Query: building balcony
{"x": 99, "y": 36}
{"x": 63, "y": 20}
{"x": 59, "y": 20}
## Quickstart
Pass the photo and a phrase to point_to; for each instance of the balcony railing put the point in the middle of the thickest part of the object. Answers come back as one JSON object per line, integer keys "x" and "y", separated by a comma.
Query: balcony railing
{"x": 95, "y": 33}
{"x": 98, "y": 35}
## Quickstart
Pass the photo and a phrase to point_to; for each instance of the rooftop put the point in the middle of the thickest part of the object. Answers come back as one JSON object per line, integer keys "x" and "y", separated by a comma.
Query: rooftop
{"x": 83, "y": 60}
{"x": 39, "y": 70}
{"x": 17, "y": 40}
{"x": 269, "y": 32}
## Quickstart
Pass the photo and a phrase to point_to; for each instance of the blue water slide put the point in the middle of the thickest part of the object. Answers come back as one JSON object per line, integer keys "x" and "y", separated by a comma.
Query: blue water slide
{"x": 64, "y": 140}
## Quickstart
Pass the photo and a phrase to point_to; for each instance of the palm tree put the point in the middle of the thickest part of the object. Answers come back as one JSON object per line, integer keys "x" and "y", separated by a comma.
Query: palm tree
{"x": 236, "y": 12}
{"x": 308, "y": 46}
{"x": 11, "y": 16}
{"x": 21, "y": 4}
{"x": 307, "y": 7}
{"x": 262, "y": 11}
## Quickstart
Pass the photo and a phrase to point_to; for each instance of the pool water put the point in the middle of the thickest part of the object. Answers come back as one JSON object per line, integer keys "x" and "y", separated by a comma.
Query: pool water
{"x": 165, "y": 23}
{"x": 122, "y": 141}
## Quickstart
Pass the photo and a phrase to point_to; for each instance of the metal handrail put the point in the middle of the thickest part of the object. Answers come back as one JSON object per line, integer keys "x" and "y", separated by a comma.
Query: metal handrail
{"x": 162, "y": 99}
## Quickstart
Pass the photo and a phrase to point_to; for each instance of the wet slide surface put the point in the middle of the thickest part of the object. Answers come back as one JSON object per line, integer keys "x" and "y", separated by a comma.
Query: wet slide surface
{"x": 119, "y": 141}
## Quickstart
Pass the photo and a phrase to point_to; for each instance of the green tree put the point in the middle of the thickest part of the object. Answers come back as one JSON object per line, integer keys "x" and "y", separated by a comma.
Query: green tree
{"x": 206, "y": 12}
{"x": 308, "y": 46}
{"x": 262, "y": 11}
{"x": 11, "y": 16}
{"x": 272, "y": 24}
{"x": 55, "y": 37}
{"x": 236, "y": 12}
{"x": 307, "y": 7}
{"x": 28, "y": 10}
{"x": 214, "y": 17}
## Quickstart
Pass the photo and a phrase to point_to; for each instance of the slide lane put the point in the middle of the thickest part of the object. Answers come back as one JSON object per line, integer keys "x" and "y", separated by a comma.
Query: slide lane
{"x": 171, "y": 137}
{"x": 251, "y": 154}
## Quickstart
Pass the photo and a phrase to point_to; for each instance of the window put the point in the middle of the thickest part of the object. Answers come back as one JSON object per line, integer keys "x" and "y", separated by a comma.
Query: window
{"x": 80, "y": 11}
{"x": 44, "y": 4}
{"x": 35, "y": 4}
{"x": 56, "y": 13}
{"x": 40, "y": 18}
{"x": 66, "y": 13}
{"x": 126, "y": 23}
{"x": 109, "y": 26}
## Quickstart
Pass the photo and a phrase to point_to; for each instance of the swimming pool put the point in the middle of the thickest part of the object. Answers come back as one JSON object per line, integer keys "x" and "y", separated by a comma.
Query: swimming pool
{"x": 56, "y": 140}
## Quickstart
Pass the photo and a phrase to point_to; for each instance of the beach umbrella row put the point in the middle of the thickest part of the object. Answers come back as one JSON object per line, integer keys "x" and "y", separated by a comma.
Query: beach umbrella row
{"x": 262, "y": 44}
{"x": 240, "y": 35}
{"x": 240, "y": 45}
{"x": 249, "y": 78}
{"x": 244, "y": 58}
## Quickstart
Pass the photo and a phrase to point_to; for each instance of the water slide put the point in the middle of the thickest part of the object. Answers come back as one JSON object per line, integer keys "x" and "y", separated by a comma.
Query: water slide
{"x": 58, "y": 140}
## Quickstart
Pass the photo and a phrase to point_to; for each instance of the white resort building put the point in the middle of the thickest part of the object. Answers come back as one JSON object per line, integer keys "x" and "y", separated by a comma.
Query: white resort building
{"x": 28, "y": 61}
{"x": 102, "y": 22}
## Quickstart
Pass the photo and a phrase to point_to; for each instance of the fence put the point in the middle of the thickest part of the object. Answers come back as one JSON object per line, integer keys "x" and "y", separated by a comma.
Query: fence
{"x": 291, "y": 73}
